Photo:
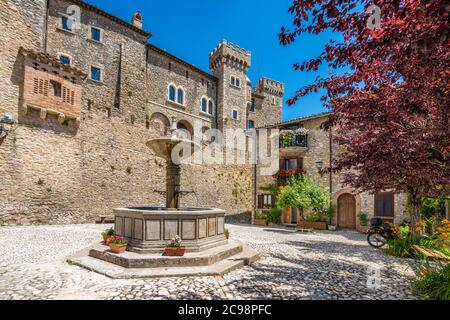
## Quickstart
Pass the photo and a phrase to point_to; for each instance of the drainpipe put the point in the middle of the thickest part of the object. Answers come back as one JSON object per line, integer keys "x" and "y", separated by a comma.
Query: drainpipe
{"x": 331, "y": 159}
{"x": 47, "y": 11}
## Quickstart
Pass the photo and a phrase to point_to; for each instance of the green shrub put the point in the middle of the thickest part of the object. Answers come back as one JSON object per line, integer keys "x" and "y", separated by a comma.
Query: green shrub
{"x": 433, "y": 284}
{"x": 313, "y": 217}
{"x": 363, "y": 218}
{"x": 401, "y": 245}
{"x": 274, "y": 215}
{"x": 303, "y": 193}
{"x": 330, "y": 212}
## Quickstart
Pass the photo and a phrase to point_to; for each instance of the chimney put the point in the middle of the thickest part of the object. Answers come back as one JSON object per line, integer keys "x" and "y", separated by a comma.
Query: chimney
{"x": 137, "y": 20}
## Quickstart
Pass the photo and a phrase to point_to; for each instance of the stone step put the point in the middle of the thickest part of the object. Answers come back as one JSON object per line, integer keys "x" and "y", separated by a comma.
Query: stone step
{"x": 136, "y": 260}
{"x": 245, "y": 257}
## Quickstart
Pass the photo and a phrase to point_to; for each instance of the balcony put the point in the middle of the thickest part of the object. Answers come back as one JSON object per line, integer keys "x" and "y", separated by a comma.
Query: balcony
{"x": 294, "y": 138}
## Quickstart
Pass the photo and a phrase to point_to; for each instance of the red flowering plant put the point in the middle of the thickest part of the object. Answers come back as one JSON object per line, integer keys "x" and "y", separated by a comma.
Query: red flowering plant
{"x": 118, "y": 241}
{"x": 288, "y": 173}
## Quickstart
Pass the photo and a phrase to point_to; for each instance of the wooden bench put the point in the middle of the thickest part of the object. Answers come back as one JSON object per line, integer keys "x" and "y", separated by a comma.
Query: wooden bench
{"x": 431, "y": 253}
{"x": 105, "y": 219}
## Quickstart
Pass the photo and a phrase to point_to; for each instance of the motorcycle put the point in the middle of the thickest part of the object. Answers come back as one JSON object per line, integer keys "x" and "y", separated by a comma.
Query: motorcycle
{"x": 379, "y": 233}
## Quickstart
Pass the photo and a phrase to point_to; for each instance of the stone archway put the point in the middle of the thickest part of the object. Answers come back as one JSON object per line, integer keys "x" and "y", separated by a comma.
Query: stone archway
{"x": 186, "y": 127}
{"x": 348, "y": 205}
{"x": 160, "y": 121}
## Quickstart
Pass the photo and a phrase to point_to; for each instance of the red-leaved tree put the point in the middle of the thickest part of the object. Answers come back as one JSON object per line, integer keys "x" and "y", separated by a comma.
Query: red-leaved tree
{"x": 390, "y": 105}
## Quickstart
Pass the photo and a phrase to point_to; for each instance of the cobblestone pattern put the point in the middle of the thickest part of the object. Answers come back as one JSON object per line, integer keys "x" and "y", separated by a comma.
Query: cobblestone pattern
{"x": 325, "y": 265}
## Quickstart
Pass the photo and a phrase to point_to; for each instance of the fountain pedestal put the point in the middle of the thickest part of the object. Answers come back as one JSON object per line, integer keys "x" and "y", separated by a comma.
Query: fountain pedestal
{"x": 148, "y": 230}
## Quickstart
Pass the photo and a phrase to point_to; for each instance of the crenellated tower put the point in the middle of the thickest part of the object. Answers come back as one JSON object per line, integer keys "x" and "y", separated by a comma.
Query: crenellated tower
{"x": 271, "y": 91}
{"x": 229, "y": 64}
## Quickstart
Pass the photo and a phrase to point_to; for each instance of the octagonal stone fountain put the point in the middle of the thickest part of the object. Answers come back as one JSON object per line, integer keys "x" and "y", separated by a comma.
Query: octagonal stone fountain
{"x": 148, "y": 230}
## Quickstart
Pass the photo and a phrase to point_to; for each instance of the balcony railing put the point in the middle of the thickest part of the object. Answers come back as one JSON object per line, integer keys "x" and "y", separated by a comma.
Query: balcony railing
{"x": 294, "y": 140}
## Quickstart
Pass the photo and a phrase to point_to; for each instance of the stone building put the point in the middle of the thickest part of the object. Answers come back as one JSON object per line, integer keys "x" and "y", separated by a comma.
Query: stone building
{"x": 87, "y": 90}
{"x": 309, "y": 148}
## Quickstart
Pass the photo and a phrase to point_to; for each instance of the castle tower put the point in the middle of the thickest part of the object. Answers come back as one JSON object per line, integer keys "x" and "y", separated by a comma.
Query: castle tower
{"x": 229, "y": 64}
{"x": 272, "y": 92}
{"x": 137, "y": 20}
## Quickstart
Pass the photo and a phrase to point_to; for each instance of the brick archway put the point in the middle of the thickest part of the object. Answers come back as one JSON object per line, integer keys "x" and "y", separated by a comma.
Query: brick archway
{"x": 357, "y": 205}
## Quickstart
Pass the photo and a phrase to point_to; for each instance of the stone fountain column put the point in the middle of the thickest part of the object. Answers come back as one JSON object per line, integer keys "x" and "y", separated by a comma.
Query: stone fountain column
{"x": 172, "y": 185}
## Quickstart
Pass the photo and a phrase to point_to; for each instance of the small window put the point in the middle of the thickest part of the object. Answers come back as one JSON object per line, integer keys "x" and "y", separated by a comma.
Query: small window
{"x": 273, "y": 100}
{"x": 187, "y": 74}
{"x": 66, "y": 24}
{"x": 170, "y": 66}
{"x": 96, "y": 34}
{"x": 265, "y": 201}
{"x": 252, "y": 105}
{"x": 96, "y": 73}
{"x": 56, "y": 88}
{"x": 204, "y": 102}
{"x": 233, "y": 81}
{"x": 238, "y": 82}
{"x": 234, "y": 114}
{"x": 172, "y": 93}
{"x": 210, "y": 107}
{"x": 64, "y": 59}
{"x": 384, "y": 204}
{"x": 251, "y": 124}
{"x": 180, "y": 96}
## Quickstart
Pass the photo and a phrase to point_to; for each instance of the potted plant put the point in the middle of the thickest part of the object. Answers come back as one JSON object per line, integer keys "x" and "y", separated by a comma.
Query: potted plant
{"x": 330, "y": 212}
{"x": 174, "y": 247}
{"x": 260, "y": 218}
{"x": 363, "y": 221}
{"x": 118, "y": 244}
{"x": 227, "y": 233}
{"x": 274, "y": 216}
{"x": 107, "y": 235}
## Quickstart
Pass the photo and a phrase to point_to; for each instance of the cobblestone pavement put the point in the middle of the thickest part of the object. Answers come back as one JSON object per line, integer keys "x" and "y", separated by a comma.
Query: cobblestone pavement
{"x": 322, "y": 265}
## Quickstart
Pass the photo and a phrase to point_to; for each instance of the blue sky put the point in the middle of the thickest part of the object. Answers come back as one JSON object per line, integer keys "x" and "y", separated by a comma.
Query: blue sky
{"x": 190, "y": 29}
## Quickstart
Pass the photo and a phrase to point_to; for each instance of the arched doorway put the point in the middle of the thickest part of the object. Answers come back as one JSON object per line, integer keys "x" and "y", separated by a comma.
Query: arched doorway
{"x": 346, "y": 211}
{"x": 185, "y": 129}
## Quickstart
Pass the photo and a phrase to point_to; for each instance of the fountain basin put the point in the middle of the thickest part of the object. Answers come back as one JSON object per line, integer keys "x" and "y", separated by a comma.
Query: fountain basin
{"x": 149, "y": 229}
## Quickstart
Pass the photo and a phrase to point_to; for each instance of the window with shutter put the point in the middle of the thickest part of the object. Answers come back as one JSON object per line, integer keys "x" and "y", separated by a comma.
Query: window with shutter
{"x": 384, "y": 204}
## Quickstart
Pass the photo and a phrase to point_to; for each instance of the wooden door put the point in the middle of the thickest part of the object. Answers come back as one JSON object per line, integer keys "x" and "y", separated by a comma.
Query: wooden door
{"x": 347, "y": 211}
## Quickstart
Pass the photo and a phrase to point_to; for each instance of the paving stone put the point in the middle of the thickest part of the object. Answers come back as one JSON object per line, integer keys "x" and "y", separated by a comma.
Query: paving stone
{"x": 321, "y": 265}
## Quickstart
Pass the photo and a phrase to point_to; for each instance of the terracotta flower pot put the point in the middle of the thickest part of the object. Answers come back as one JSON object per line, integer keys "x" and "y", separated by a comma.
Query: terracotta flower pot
{"x": 117, "y": 248}
{"x": 175, "y": 251}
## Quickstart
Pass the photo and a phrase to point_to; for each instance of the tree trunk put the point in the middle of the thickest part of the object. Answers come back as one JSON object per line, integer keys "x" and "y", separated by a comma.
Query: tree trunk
{"x": 414, "y": 212}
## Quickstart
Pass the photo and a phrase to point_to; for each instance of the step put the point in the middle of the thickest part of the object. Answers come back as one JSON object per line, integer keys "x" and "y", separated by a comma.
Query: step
{"x": 245, "y": 257}
{"x": 135, "y": 260}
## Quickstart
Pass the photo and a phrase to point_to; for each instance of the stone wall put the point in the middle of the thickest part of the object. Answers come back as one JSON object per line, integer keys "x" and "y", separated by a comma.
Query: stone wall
{"x": 56, "y": 173}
